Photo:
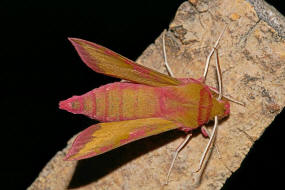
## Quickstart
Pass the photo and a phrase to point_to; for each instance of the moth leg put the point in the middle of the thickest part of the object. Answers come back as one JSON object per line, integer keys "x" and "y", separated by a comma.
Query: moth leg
{"x": 212, "y": 138}
{"x": 211, "y": 53}
{"x": 165, "y": 57}
{"x": 176, "y": 154}
{"x": 206, "y": 134}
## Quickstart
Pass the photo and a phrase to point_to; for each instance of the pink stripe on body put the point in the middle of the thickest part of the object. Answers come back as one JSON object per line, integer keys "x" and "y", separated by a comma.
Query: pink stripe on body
{"x": 120, "y": 94}
{"x": 94, "y": 104}
{"x": 106, "y": 104}
{"x": 202, "y": 107}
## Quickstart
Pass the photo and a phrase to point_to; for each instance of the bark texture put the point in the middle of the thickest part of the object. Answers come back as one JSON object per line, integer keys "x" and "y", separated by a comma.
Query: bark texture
{"x": 252, "y": 58}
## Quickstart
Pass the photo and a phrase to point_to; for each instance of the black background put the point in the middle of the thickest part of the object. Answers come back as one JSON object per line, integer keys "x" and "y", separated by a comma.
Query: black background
{"x": 39, "y": 68}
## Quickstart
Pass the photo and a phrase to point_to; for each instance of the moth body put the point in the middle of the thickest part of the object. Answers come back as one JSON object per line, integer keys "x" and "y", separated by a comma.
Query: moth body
{"x": 190, "y": 105}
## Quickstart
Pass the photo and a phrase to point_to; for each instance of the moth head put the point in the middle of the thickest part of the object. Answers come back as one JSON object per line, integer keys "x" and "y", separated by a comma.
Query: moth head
{"x": 221, "y": 108}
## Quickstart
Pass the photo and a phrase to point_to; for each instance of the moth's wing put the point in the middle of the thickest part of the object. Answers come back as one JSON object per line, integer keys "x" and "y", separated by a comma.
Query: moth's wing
{"x": 105, "y": 61}
{"x": 103, "y": 137}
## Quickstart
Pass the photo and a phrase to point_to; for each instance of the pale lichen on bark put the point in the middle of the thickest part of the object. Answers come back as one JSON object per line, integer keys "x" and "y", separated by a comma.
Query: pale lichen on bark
{"x": 252, "y": 57}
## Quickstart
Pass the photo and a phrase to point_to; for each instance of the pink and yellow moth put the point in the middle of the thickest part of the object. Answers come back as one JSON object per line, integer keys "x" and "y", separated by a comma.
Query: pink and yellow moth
{"x": 149, "y": 104}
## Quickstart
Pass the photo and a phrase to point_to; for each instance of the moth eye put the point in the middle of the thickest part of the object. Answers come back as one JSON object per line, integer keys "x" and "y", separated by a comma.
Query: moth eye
{"x": 226, "y": 108}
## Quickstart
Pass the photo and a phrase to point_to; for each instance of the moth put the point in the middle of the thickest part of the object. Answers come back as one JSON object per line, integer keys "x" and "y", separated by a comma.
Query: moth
{"x": 147, "y": 104}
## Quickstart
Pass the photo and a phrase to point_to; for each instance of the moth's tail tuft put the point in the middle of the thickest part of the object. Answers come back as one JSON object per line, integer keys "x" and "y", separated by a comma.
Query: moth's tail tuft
{"x": 72, "y": 105}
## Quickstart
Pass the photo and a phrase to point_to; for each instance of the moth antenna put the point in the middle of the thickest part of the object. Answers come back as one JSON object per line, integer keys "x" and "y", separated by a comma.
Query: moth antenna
{"x": 220, "y": 82}
{"x": 219, "y": 73}
{"x": 212, "y": 138}
{"x": 220, "y": 92}
{"x": 235, "y": 101}
{"x": 229, "y": 98}
{"x": 176, "y": 154}
{"x": 211, "y": 53}
{"x": 164, "y": 55}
